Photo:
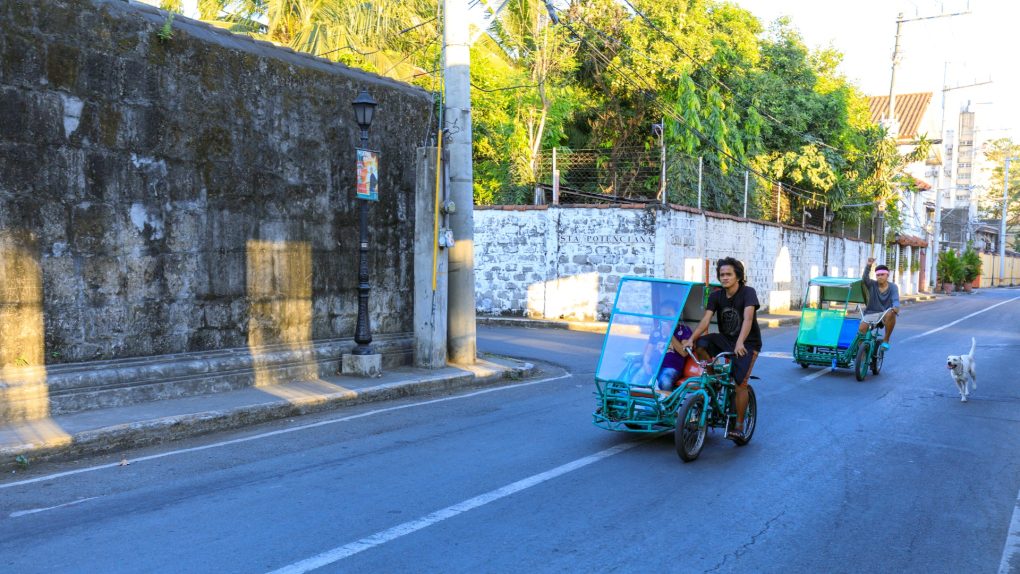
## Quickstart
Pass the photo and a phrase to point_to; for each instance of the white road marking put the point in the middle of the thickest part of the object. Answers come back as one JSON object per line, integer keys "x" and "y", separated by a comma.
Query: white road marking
{"x": 36, "y": 510}
{"x": 384, "y": 536}
{"x": 1012, "y": 540}
{"x": 278, "y": 432}
{"x": 776, "y": 355}
{"x": 816, "y": 374}
{"x": 946, "y": 326}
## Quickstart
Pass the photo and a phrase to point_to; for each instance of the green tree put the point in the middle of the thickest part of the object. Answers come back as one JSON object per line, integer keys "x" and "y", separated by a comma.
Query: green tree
{"x": 390, "y": 37}
{"x": 886, "y": 177}
{"x": 996, "y": 153}
{"x": 522, "y": 98}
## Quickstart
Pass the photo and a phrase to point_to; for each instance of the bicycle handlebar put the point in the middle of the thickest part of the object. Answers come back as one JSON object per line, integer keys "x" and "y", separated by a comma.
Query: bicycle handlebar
{"x": 878, "y": 320}
{"x": 703, "y": 364}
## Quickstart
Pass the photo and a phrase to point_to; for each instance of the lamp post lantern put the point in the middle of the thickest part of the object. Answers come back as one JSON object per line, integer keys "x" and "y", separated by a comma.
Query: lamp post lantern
{"x": 364, "y": 110}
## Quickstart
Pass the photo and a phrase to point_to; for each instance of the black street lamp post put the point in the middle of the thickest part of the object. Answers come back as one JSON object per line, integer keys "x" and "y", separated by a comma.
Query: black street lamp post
{"x": 364, "y": 108}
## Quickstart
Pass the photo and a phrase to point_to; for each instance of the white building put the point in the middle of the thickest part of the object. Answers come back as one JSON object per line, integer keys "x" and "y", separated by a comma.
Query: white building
{"x": 909, "y": 256}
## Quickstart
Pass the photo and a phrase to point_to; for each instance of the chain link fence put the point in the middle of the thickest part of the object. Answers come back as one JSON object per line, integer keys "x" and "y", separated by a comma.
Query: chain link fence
{"x": 639, "y": 175}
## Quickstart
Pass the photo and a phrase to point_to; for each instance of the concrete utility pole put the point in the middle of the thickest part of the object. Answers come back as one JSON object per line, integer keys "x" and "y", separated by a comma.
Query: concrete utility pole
{"x": 900, "y": 20}
{"x": 1002, "y": 225}
{"x": 893, "y": 124}
{"x": 457, "y": 78}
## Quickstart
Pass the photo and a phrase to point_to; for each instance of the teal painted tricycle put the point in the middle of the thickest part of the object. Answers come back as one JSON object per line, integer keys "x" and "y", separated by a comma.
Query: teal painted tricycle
{"x": 830, "y": 335}
{"x": 627, "y": 397}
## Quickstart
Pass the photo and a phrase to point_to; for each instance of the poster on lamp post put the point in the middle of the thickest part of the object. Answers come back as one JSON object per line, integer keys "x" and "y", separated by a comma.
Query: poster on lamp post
{"x": 368, "y": 175}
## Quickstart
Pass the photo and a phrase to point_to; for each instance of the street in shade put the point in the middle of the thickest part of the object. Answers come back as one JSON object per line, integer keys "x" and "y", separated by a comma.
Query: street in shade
{"x": 891, "y": 474}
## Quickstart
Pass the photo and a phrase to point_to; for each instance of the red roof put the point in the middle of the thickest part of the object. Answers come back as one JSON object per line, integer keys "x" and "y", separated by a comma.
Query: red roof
{"x": 921, "y": 185}
{"x": 911, "y": 240}
{"x": 910, "y": 109}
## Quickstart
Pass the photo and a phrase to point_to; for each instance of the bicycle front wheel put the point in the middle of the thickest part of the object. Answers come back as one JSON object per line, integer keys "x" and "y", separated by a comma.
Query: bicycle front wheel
{"x": 861, "y": 362}
{"x": 689, "y": 437}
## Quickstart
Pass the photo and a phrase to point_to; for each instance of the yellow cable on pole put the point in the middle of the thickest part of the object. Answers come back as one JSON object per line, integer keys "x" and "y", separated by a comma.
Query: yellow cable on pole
{"x": 435, "y": 225}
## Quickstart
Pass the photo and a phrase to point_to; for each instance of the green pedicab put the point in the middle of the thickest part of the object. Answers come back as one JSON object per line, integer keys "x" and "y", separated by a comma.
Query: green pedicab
{"x": 829, "y": 334}
{"x": 627, "y": 398}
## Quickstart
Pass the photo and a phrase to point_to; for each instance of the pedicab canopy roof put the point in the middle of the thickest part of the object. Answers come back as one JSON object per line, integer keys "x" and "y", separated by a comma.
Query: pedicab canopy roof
{"x": 645, "y": 313}
{"x": 835, "y": 289}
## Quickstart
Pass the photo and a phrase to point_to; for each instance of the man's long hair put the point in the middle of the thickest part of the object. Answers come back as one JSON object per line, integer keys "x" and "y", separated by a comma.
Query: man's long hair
{"x": 738, "y": 268}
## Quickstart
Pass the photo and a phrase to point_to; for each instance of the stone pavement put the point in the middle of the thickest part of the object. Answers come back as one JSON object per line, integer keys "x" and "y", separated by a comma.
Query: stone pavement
{"x": 98, "y": 431}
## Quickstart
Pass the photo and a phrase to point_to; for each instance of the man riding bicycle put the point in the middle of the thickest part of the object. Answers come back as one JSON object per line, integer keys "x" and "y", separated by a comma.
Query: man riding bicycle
{"x": 882, "y": 296}
{"x": 737, "y": 306}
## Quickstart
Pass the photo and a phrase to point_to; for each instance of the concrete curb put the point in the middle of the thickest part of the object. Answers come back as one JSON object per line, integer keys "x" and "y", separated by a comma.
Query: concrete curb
{"x": 168, "y": 429}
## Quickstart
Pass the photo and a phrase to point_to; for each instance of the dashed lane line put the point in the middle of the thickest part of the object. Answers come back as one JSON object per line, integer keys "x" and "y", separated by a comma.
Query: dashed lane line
{"x": 347, "y": 550}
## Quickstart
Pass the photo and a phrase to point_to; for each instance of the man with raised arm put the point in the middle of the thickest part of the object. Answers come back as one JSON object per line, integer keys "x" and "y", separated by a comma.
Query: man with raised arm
{"x": 882, "y": 295}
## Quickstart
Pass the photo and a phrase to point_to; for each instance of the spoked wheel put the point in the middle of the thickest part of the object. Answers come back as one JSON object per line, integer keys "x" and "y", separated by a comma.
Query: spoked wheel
{"x": 876, "y": 361}
{"x": 750, "y": 418}
{"x": 689, "y": 436}
{"x": 861, "y": 363}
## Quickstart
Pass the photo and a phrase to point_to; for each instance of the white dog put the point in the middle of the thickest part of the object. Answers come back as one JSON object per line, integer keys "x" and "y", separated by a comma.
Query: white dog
{"x": 961, "y": 367}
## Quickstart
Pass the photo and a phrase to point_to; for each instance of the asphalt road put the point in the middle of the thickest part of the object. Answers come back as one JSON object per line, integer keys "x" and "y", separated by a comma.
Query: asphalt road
{"x": 894, "y": 474}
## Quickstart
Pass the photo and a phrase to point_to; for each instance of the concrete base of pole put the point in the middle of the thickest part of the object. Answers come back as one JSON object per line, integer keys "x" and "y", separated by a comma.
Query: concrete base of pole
{"x": 362, "y": 365}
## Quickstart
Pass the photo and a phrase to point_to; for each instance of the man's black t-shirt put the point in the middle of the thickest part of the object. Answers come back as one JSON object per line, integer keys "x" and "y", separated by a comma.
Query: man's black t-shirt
{"x": 730, "y": 313}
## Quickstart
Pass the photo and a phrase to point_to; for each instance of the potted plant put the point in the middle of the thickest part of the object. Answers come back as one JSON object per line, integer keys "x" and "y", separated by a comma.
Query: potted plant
{"x": 971, "y": 262}
{"x": 949, "y": 268}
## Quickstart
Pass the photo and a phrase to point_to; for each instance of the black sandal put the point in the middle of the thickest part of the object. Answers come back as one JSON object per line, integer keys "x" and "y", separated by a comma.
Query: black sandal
{"x": 735, "y": 435}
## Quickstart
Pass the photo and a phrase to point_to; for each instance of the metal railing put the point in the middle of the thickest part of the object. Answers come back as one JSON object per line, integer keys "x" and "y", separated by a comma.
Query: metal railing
{"x": 639, "y": 175}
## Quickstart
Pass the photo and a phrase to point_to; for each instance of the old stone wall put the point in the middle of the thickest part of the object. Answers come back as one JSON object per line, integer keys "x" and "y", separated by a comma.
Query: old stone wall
{"x": 190, "y": 193}
{"x": 566, "y": 261}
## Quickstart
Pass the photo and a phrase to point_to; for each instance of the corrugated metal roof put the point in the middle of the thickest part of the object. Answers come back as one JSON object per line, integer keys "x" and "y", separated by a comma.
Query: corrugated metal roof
{"x": 911, "y": 240}
{"x": 910, "y": 109}
{"x": 920, "y": 184}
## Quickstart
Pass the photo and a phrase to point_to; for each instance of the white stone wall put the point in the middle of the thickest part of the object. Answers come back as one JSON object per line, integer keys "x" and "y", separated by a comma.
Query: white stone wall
{"x": 566, "y": 262}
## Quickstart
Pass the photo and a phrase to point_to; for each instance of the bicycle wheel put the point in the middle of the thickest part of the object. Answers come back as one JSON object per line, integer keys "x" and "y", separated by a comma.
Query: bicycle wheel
{"x": 750, "y": 417}
{"x": 861, "y": 362}
{"x": 876, "y": 361}
{"x": 689, "y": 437}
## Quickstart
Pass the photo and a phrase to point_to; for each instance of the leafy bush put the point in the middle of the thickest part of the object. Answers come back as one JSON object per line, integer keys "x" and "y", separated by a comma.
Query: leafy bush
{"x": 971, "y": 262}
{"x": 950, "y": 267}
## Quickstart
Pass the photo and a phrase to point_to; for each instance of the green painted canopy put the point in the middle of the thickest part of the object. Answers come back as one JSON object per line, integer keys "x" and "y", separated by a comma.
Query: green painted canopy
{"x": 836, "y": 289}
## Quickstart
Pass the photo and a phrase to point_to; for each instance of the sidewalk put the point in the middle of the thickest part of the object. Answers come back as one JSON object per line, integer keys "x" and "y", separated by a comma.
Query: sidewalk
{"x": 101, "y": 431}
{"x": 765, "y": 320}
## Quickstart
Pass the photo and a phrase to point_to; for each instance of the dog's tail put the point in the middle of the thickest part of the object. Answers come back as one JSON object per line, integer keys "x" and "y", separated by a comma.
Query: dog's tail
{"x": 973, "y": 344}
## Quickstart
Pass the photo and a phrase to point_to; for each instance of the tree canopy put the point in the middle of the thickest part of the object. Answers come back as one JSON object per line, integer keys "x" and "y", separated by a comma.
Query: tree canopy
{"x": 724, "y": 87}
